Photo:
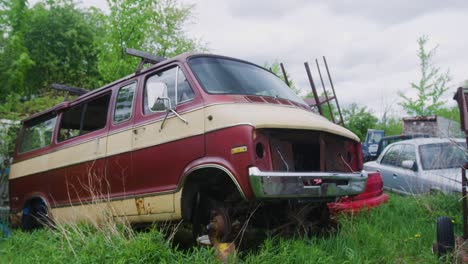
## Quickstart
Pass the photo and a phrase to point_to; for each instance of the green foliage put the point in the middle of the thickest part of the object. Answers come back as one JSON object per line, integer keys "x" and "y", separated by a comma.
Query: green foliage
{"x": 431, "y": 86}
{"x": 359, "y": 119}
{"x": 451, "y": 113}
{"x": 401, "y": 231}
{"x": 56, "y": 42}
{"x": 50, "y": 42}
{"x": 155, "y": 26}
{"x": 16, "y": 108}
{"x": 85, "y": 244}
{"x": 391, "y": 126}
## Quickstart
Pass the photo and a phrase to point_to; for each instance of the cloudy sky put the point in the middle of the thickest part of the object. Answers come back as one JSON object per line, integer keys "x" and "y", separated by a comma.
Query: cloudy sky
{"x": 370, "y": 45}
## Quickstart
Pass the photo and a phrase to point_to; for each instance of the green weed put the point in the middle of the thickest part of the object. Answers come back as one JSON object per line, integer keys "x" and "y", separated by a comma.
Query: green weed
{"x": 401, "y": 231}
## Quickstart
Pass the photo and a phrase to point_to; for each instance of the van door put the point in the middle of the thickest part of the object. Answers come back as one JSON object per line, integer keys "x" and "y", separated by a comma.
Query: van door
{"x": 164, "y": 143}
{"x": 81, "y": 152}
{"x": 119, "y": 147}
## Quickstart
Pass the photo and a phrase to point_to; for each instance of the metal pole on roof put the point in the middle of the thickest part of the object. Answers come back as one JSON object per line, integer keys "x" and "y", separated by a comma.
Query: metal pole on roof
{"x": 285, "y": 75}
{"x": 314, "y": 90}
{"x": 325, "y": 91}
{"x": 333, "y": 90}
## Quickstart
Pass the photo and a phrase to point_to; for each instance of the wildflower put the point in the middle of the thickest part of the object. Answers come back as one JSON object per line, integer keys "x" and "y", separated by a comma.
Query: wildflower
{"x": 417, "y": 235}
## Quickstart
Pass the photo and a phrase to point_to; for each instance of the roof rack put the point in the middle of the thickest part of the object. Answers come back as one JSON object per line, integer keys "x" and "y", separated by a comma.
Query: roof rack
{"x": 70, "y": 89}
{"x": 145, "y": 58}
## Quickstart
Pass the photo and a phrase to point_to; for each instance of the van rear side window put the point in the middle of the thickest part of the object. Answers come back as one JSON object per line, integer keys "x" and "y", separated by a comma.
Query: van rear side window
{"x": 37, "y": 133}
{"x": 84, "y": 118}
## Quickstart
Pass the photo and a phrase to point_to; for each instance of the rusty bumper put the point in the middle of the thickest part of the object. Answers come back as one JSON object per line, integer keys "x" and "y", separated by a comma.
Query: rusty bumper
{"x": 266, "y": 184}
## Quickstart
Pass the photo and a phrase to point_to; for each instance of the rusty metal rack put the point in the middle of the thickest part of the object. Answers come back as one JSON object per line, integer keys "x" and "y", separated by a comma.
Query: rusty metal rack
{"x": 318, "y": 101}
{"x": 145, "y": 58}
{"x": 70, "y": 89}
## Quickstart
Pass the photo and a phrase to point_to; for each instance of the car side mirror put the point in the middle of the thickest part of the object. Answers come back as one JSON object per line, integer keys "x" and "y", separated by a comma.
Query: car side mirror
{"x": 157, "y": 97}
{"x": 409, "y": 164}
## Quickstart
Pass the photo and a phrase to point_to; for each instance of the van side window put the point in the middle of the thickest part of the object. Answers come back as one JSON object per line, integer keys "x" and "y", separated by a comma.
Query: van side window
{"x": 124, "y": 103}
{"x": 184, "y": 91}
{"x": 84, "y": 118}
{"x": 37, "y": 133}
{"x": 163, "y": 85}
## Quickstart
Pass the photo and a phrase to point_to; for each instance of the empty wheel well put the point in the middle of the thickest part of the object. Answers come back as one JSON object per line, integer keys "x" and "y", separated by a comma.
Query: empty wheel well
{"x": 210, "y": 181}
{"x": 35, "y": 203}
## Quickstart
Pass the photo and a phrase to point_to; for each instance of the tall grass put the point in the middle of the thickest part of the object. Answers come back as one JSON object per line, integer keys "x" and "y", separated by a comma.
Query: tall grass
{"x": 401, "y": 231}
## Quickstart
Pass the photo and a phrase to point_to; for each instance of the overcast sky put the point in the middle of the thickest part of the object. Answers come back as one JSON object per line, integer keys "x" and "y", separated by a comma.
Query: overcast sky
{"x": 370, "y": 45}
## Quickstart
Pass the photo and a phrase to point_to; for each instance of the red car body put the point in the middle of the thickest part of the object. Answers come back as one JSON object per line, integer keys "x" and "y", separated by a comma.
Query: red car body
{"x": 372, "y": 196}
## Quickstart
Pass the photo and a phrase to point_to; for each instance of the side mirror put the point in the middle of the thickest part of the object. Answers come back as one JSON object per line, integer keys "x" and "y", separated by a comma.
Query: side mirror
{"x": 409, "y": 164}
{"x": 158, "y": 100}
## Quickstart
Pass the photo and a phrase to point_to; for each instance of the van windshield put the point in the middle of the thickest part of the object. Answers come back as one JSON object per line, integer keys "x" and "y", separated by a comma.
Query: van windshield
{"x": 227, "y": 76}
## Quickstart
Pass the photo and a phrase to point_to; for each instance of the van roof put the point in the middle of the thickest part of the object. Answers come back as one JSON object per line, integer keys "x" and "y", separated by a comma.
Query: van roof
{"x": 180, "y": 57}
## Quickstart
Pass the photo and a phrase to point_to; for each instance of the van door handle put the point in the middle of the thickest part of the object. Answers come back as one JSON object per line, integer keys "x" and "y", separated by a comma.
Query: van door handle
{"x": 136, "y": 131}
{"x": 395, "y": 175}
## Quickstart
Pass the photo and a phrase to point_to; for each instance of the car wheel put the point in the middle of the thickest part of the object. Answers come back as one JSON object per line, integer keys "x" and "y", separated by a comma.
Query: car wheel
{"x": 445, "y": 235}
{"x": 211, "y": 219}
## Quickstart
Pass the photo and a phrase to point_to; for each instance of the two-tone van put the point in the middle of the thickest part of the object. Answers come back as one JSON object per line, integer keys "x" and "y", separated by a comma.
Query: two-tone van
{"x": 197, "y": 137}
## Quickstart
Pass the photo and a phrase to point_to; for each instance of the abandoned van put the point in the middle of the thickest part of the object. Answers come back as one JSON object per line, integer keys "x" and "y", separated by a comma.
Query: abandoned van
{"x": 198, "y": 137}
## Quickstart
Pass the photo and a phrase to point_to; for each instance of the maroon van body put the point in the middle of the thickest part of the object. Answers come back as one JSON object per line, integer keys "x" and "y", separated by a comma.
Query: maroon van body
{"x": 169, "y": 143}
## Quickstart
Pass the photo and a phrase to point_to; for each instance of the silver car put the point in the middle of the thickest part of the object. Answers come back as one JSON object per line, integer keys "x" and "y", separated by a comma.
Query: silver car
{"x": 421, "y": 165}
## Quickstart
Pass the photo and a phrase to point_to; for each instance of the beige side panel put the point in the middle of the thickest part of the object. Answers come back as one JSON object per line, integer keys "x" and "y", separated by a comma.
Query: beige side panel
{"x": 143, "y": 209}
{"x": 87, "y": 151}
{"x": 174, "y": 129}
{"x": 119, "y": 143}
{"x": 124, "y": 207}
{"x": 155, "y": 204}
{"x": 270, "y": 116}
{"x": 151, "y": 218}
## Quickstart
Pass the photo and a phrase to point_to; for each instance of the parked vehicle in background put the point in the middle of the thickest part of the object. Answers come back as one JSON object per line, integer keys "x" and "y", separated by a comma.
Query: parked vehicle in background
{"x": 421, "y": 165}
{"x": 385, "y": 141}
{"x": 371, "y": 143}
{"x": 198, "y": 137}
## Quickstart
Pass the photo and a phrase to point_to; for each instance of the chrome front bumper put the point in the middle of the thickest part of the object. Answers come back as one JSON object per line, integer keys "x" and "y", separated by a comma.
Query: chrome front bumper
{"x": 266, "y": 184}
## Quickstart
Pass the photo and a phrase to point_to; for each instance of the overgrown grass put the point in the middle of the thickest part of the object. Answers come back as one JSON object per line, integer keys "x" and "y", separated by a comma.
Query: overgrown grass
{"x": 401, "y": 231}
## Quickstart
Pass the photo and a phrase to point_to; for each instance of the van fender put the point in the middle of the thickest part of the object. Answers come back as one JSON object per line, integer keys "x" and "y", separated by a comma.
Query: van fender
{"x": 216, "y": 163}
{"x": 191, "y": 190}
{"x": 16, "y": 216}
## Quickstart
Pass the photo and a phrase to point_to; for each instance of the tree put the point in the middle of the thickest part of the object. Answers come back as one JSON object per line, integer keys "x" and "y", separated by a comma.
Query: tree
{"x": 451, "y": 113}
{"x": 391, "y": 126}
{"x": 50, "y": 42}
{"x": 359, "y": 119}
{"x": 154, "y": 26}
{"x": 431, "y": 86}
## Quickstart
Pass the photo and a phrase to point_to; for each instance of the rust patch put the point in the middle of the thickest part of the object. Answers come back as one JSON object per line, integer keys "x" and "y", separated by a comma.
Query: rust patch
{"x": 140, "y": 205}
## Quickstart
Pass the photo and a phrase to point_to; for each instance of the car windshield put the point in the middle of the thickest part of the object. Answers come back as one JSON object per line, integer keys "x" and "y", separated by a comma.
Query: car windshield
{"x": 442, "y": 155}
{"x": 227, "y": 76}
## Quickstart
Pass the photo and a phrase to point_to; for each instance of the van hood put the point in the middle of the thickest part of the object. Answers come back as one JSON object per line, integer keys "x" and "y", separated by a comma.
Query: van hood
{"x": 270, "y": 116}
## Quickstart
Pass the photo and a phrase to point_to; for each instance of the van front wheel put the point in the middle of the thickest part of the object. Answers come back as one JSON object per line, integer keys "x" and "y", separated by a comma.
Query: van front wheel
{"x": 210, "y": 220}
